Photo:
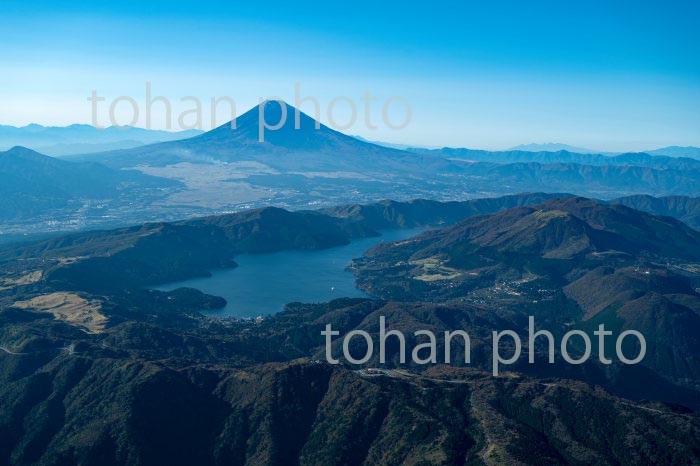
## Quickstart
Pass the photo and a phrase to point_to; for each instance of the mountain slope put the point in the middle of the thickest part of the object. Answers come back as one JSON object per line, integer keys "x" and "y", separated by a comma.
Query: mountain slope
{"x": 548, "y": 240}
{"x": 32, "y": 184}
{"x": 310, "y": 415}
{"x": 571, "y": 261}
{"x": 288, "y": 148}
{"x": 423, "y": 212}
{"x": 144, "y": 394}
{"x": 686, "y": 209}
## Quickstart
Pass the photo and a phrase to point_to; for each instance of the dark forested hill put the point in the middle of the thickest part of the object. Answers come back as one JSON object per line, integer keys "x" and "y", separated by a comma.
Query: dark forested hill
{"x": 151, "y": 395}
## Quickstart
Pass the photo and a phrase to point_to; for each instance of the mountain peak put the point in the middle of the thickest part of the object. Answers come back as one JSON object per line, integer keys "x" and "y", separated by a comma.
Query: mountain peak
{"x": 21, "y": 151}
{"x": 33, "y": 126}
{"x": 275, "y": 113}
{"x": 277, "y": 123}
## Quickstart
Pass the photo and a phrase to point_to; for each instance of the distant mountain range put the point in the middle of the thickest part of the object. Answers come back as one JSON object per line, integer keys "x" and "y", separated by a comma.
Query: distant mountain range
{"x": 309, "y": 150}
{"x": 639, "y": 159}
{"x": 553, "y": 147}
{"x": 671, "y": 151}
{"x": 75, "y": 139}
{"x": 677, "y": 151}
{"x": 83, "y": 139}
{"x": 230, "y": 169}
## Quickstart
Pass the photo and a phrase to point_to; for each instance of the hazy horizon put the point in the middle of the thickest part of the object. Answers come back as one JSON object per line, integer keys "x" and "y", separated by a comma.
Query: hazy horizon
{"x": 520, "y": 146}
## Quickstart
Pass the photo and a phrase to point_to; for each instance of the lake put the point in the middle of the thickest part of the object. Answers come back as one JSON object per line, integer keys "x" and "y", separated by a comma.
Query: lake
{"x": 263, "y": 283}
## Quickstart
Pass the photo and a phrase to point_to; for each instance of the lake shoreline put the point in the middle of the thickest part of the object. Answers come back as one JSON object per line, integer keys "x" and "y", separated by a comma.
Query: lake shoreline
{"x": 262, "y": 284}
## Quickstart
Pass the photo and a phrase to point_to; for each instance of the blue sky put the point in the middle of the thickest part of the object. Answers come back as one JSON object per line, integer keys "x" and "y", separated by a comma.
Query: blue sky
{"x": 608, "y": 75}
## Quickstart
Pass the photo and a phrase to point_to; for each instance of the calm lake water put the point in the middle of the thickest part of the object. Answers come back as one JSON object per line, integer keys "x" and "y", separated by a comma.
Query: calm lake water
{"x": 263, "y": 283}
